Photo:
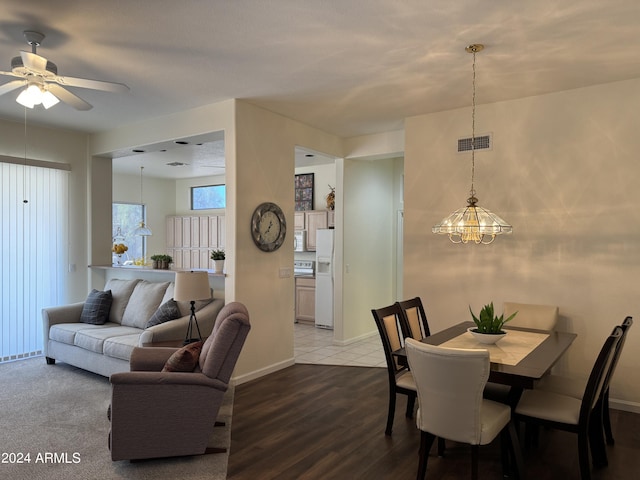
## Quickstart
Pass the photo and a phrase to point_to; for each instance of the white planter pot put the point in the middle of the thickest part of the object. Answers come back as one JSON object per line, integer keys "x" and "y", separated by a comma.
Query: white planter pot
{"x": 218, "y": 266}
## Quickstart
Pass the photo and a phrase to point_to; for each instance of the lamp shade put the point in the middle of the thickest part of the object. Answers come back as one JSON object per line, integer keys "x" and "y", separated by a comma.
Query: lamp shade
{"x": 192, "y": 285}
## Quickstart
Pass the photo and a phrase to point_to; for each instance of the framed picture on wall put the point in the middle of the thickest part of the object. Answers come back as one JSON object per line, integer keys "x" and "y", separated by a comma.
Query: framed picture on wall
{"x": 304, "y": 191}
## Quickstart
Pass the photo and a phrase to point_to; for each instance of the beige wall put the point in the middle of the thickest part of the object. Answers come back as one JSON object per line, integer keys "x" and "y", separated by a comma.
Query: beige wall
{"x": 263, "y": 170}
{"x": 563, "y": 171}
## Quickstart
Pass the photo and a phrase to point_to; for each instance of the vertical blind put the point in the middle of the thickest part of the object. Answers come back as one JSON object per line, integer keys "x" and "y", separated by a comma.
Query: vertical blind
{"x": 33, "y": 246}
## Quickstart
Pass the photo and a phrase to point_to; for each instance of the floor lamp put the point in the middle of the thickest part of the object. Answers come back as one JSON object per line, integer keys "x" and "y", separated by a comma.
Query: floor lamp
{"x": 191, "y": 286}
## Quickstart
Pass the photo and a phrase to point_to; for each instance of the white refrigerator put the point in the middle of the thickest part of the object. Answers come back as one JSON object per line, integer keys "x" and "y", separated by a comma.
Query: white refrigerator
{"x": 324, "y": 278}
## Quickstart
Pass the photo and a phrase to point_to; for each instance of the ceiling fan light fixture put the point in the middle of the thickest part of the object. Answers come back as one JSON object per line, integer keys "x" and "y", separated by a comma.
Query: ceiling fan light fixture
{"x": 49, "y": 99}
{"x": 34, "y": 95}
{"x": 30, "y": 96}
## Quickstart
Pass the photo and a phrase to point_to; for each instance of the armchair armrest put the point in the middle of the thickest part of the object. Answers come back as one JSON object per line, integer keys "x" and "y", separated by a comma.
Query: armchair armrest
{"x": 140, "y": 379}
{"x": 150, "y": 359}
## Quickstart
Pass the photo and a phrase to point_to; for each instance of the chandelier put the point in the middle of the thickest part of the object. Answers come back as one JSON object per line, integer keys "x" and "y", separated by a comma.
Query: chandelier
{"x": 472, "y": 223}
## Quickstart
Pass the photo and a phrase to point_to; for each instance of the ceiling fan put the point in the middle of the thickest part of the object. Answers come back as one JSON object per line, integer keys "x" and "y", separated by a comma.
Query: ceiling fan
{"x": 44, "y": 85}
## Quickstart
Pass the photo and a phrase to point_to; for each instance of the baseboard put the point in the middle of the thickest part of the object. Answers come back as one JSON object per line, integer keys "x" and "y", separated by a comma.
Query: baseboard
{"x": 633, "y": 407}
{"x": 240, "y": 379}
{"x": 343, "y": 343}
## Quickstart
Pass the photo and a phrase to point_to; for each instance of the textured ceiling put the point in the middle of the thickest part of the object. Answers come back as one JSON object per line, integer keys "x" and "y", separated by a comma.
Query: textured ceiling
{"x": 346, "y": 67}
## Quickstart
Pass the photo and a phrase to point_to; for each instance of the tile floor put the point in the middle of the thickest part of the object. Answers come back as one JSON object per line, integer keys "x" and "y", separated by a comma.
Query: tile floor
{"x": 315, "y": 345}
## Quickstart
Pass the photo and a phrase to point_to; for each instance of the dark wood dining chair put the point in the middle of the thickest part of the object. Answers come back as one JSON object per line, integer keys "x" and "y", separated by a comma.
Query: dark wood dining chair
{"x": 415, "y": 319}
{"x": 574, "y": 387}
{"x": 389, "y": 321}
{"x": 580, "y": 416}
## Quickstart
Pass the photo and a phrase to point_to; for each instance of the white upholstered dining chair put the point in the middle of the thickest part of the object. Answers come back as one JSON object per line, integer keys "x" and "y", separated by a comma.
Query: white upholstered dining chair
{"x": 540, "y": 317}
{"x": 450, "y": 382}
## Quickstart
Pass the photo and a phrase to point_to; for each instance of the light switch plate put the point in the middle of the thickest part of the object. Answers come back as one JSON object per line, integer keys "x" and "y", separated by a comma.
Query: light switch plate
{"x": 285, "y": 272}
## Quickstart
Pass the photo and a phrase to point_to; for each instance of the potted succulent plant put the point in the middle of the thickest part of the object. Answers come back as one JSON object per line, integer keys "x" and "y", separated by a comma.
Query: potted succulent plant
{"x": 488, "y": 327}
{"x": 218, "y": 256}
{"x": 161, "y": 262}
{"x": 155, "y": 261}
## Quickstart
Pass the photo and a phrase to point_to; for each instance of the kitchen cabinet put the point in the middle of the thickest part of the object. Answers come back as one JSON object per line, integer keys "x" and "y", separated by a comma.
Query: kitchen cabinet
{"x": 298, "y": 221}
{"x": 310, "y": 220}
{"x": 315, "y": 219}
{"x": 305, "y": 299}
{"x": 190, "y": 239}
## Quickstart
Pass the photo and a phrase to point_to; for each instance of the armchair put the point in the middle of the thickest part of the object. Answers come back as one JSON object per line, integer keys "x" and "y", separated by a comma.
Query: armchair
{"x": 165, "y": 414}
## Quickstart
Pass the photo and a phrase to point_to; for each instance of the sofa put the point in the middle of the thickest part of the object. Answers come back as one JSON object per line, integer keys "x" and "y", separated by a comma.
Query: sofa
{"x": 103, "y": 344}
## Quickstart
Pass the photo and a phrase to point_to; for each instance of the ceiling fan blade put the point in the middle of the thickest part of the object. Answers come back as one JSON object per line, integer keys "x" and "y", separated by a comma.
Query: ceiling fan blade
{"x": 7, "y": 87}
{"x": 92, "y": 84}
{"x": 67, "y": 97}
{"x": 33, "y": 61}
{"x": 10, "y": 74}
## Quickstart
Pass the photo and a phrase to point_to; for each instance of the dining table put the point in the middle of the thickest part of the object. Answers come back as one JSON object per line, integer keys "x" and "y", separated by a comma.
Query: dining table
{"x": 518, "y": 360}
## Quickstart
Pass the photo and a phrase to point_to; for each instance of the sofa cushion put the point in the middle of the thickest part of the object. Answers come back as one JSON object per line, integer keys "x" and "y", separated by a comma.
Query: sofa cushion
{"x": 121, "y": 291}
{"x": 167, "y": 311}
{"x": 185, "y": 307}
{"x": 93, "y": 339}
{"x": 185, "y": 359}
{"x": 96, "y": 307}
{"x": 144, "y": 301}
{"x": 66, "y": 332}
{"x": 121, "y": 346}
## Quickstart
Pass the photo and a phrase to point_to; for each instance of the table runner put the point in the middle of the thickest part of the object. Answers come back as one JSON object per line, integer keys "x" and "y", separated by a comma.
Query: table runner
{"x": 508, "y": 351}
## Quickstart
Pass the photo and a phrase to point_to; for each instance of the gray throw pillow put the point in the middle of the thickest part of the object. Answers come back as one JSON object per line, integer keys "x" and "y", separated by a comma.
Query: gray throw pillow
{"x": 165, "y": 312}
{"x": 96, "y": 307}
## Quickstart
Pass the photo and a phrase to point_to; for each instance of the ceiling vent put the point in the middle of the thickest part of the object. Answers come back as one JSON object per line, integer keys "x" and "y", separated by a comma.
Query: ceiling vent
{"x": 483, "y": 142}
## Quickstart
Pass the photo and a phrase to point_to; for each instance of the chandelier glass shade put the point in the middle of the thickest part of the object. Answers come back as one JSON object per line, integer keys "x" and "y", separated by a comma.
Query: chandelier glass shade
{"x": 472, "y": 223}
{"x": 142, "y": 230}
{"x": 36, "y": 94}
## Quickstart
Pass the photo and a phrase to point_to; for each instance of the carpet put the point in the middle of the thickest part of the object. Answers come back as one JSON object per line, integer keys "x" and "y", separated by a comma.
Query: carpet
{"x": 57, "y": 415}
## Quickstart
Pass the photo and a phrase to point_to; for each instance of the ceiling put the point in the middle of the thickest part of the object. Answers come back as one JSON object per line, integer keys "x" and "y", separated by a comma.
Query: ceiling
{"x": 346, "y": 67}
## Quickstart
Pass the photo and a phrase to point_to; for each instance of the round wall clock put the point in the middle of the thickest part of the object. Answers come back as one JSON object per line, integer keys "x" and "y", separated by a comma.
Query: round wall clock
{"x": 268, "y": 227}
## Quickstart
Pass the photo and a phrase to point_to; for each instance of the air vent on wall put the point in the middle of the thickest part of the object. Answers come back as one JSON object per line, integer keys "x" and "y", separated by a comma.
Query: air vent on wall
{"x": 483, "y": 142}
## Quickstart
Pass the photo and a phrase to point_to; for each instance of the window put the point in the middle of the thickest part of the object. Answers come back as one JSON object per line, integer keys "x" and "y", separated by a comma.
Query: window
{"x": 33, "y": 239}
{"x": 126, "y": 218}
{"x": 208, "y": 196}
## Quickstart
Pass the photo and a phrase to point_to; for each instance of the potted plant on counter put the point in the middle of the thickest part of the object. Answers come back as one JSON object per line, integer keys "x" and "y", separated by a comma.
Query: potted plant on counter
{"x": 161, "y": 262}
{"x": 218, "y": 257}
{"x": 488, "y": 327}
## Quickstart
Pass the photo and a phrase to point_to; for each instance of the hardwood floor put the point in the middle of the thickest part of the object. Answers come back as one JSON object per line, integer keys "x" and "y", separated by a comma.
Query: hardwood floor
{"x": 327, "y": 422}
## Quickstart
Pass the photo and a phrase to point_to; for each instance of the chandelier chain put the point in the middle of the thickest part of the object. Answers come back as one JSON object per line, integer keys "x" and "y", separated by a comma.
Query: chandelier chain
{"x": 473, "y": 126}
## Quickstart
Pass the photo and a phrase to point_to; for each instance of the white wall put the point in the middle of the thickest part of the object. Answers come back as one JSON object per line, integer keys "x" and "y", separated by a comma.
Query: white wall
{"x": 369, "y": 244}
{"x": 563, "y": 171}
